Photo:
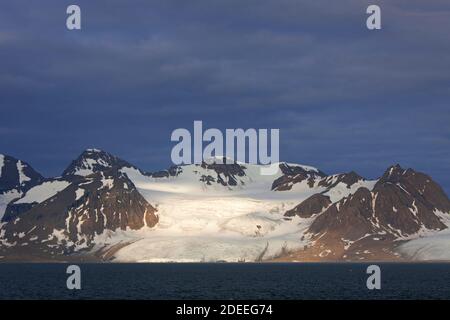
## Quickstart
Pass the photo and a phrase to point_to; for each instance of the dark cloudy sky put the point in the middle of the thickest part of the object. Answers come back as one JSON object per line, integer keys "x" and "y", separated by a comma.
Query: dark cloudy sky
{"x": 345, "y": 98}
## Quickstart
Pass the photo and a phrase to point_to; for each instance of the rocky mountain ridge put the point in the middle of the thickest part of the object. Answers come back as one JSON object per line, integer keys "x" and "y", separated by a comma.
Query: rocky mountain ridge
{"x": 102, "y": 202}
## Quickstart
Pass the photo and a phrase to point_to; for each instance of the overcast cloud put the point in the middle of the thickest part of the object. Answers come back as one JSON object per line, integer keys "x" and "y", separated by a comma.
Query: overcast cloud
{"x": 345, "y": 98}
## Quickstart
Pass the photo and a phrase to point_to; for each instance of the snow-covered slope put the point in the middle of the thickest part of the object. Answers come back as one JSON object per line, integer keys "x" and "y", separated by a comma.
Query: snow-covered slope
{"x": 43, "y": 191}
{"x": 210, "y": 222}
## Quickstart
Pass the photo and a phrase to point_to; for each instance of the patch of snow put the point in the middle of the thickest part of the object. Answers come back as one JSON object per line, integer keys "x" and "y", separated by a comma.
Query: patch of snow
{"x": 349, "y": 243}
{"x": 79, "y": 193}
{"x": 59, "y": 235}
{"x": 6, "y": 198}
{"x": 107, "y": 183}
{"x": 341, "y": 190}
{"x": 2, "y": 162}
{"x": 374, "y": 219}
{"x": 22, "y": 176}
{"x": 324, "y": 253}
{"x": 43, "y": 191}
{"x": 414, "y": 210}
{"x": 83, "y": 172}
{"x": 304, "y": 167}
{"x": 31, "y": 230}
{"x": 444, "y": 217}
{"x": 403, "y": 188}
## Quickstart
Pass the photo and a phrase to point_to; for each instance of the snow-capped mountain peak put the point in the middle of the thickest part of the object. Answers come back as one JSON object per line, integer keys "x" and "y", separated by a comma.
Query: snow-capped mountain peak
{"x": 215, "y": 211}
{"x": 92, "y": 161}
{"x": 16, "y": 178}
{"x": 16, "y": 174}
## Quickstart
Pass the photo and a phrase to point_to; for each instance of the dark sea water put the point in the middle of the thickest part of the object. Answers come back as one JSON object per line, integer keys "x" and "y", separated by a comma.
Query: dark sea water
{"x": 225, "y": 281}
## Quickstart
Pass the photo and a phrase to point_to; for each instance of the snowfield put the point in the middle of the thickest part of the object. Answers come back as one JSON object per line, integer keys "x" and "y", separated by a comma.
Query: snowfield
{"x": 435, "y": 247}
{"x": 43, "y": 191}
{"x": 199, "y": 222}
{"x": 6, "y": 198}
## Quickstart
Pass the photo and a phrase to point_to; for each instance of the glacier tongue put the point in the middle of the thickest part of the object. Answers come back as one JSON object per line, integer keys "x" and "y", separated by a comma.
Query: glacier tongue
{"x": 200, "y": 222}
{"x": 435, "y": 246}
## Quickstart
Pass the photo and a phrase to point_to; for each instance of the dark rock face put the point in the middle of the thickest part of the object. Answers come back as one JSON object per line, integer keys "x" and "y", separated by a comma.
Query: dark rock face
{"x": 295, "y": 174}
{"x": 88, "y": 207}
{"x": 406, "y": 200}
{"x": 350, "y": 218}
{"x": 311, "y": 206}
{"x": 17, "y": 174}
{"x": 14, "y": 210}
{"x": 318, "y": 202}
{"x": 171, "y": 172}
{"x": 347, "y": 178}
{"x": 225, "y": 173}
{"x": 92, "y": 161}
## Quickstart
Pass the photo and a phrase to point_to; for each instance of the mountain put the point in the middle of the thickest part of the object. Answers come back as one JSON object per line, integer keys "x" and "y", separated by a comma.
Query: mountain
{"x": 335, "y": 187}
{"x": 16, "y": 177}
{"x": 16, "y": 174}
{"x": 104, "y": 208}
{"x": 71, "y": 219}
{"x": 92, "y": 161}
{"x": 403, "y": 204}
{"x": 63, "y": 215}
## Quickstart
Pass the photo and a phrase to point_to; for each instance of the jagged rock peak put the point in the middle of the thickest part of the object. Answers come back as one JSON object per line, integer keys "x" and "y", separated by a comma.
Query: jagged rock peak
{"x": 394, "y": 173}
{"x": 348, "y": 179}
{"x": 94, "y": 160}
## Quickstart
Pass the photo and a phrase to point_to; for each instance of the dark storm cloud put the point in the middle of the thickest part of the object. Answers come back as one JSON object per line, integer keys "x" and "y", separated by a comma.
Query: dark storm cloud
{"x": 344, "y": 98}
